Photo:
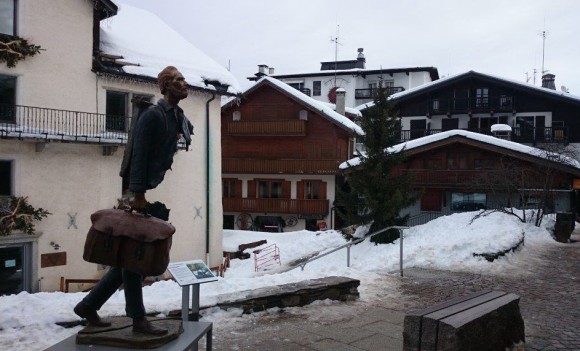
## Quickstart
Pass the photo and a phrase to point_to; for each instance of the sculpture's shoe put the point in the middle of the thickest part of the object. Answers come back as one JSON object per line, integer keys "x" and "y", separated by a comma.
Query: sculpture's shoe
{"x": 90, "y": 315}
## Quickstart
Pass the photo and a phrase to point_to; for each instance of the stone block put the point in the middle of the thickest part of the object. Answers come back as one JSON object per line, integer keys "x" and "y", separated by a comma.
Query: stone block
{"x": 488, "y": 321}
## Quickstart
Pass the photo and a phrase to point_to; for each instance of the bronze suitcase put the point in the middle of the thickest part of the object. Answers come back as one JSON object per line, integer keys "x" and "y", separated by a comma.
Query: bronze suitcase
{"x": 129, "y": 240}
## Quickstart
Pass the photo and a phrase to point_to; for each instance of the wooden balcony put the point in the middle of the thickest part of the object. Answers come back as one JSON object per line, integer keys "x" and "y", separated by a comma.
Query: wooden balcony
{"x": 453, "y": 179}
{"x": 502, "y": 103}
{"x": 444, "y": 178}
{"x": 292, "y": 127}
{"x": 293, "y": 206}
{"x": 281, "y": 166}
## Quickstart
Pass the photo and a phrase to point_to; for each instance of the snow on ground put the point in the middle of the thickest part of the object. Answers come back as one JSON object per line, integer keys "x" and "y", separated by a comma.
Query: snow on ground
{"x": 448, "y": 243}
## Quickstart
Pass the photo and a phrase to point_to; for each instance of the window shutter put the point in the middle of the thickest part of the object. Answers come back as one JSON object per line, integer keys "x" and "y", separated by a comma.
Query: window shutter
{"x": 238, "y": 188}
{"x": 322, "y": 190}
{"x": 252, "y": 189}
{"x": 300, "y": 189}
{"x": 285, "y": 189}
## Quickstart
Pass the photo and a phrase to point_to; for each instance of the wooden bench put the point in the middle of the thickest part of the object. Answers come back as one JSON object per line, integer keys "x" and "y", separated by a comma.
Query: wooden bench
{"x": 485, "y": 320}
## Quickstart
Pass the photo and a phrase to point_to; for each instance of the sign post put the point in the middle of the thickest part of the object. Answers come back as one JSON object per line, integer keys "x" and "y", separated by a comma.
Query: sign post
{"x": 186, "y": 274}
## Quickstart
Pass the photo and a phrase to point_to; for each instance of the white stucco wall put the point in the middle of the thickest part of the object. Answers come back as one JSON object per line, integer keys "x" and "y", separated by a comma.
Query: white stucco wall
{"x": 75, "y": 178}
{"x": 60, "y": 75}
{"x": 352, "y": 82}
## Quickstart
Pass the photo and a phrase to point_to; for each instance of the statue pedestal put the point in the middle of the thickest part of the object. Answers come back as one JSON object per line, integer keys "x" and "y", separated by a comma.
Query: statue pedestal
{"x": 120, "y": 337}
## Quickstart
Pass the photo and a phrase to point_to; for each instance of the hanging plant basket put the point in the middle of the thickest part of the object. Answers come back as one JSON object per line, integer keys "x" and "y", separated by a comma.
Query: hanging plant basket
{"x": 14, "y": 49}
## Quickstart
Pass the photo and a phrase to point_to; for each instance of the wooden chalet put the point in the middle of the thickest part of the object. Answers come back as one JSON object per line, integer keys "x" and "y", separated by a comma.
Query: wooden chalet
{"x": 464, "y": 171}
{"x": 280, "y": 155}
{"x": 474, "y": 101}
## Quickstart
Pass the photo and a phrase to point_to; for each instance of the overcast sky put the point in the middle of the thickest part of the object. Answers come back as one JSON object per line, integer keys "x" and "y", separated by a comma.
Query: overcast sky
{"x": 497, "y": 37}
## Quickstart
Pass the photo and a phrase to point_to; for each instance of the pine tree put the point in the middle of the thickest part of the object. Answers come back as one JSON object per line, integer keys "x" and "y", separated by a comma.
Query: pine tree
{"x": 372, "y": 192}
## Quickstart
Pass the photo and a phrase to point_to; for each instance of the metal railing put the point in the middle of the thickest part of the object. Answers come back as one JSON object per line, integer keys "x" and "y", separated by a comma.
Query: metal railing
{"x": 48, "y": 124}
{"x": 354, "y": 242}
{"x": 52, "y": 124}
{"x": 474, "y": 104}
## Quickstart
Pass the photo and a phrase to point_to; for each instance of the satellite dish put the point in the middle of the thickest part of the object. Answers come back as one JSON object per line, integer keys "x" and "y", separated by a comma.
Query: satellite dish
{"x": 564, "y": 89}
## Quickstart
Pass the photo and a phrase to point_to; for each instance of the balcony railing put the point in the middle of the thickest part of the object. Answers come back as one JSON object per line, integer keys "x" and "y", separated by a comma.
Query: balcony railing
{"x": 257, "y": 166}
{"x": 47, "y": 124}
{"x": 524, "y": 135}
{"x": 293, "y": 127}
{"x": 372, "y": 92}
{"x": 500, "y": 103}
{"x": 446, "y": 178}
{"x": 64, "y": 125}
{"x": 295, "y": 206}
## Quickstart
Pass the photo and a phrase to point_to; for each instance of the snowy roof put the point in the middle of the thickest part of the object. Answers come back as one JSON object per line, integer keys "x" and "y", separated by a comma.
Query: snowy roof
{"x": 458, "y": 76}
{"x": 502, "y": 143}
{"x": 142, "y": 38}
{"x": 321, "y": 107}
{"x": 356, "y": 71}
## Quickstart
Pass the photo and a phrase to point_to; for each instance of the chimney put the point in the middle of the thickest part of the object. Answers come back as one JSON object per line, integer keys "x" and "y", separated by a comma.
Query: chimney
{"x": 270, "y": 70}
{"x": 548, "y": 81}
{"x": 340, "y": 101}
{"x": 262, "y": 71}
{"x": 360, "y": 59}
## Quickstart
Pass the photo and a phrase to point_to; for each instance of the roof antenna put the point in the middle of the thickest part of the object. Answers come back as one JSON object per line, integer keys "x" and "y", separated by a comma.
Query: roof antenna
{"x": 336, "y": 42}
{"x": 544, "y": 34}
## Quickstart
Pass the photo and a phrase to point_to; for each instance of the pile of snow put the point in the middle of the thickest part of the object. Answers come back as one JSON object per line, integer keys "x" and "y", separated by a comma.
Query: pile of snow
{"x": 27, "y": 320}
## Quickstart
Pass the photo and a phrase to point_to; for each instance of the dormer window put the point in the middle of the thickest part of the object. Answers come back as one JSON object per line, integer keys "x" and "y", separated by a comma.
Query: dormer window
{"x": 237, "y": 116}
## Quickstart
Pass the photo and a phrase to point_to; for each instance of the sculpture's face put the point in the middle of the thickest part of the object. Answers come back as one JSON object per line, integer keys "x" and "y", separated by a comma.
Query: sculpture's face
{"x": 177, "y": 87}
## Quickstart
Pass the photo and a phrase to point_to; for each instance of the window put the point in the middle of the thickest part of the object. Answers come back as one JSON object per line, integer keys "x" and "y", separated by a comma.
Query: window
{"x": 270, "y": 189}
{"x": 456, "y": 161}
{"x": 485, "y": 123}
{"x": 298, "y": 86}
{"x": 8, "y": 17}
{"x": 418, "y": 128}
{"x": 468, "y": 201}
{"x": 7, "y": 98}
{"x": 483, "y": 164}
{"x": 230, "y": 187}
{"x": 386, "y": 84}
{"x": 312, "y": 190}
{"x": 5, "y": 178}
{"x": 449, "y": 124}
{"x": 118, "y": 109}
{"x": 435, "y": 105}
{"x": 481, "y": 97}
{"x": 432, "y": 163}
{"x": 505, "y": 102}
{"x": 316, "y": 88}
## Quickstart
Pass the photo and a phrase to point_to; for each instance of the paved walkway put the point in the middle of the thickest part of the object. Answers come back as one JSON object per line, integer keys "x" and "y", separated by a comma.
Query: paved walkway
{"x": 550, "y": 305}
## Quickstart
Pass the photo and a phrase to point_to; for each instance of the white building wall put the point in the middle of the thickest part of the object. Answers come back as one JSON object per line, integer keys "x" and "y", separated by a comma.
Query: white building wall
{"x": 60, "y": 75}
{"x": 76, "y": 179}
{"x": 351, "y": 82}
